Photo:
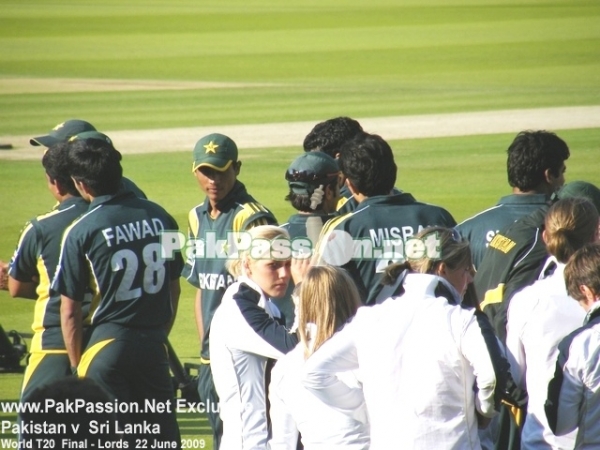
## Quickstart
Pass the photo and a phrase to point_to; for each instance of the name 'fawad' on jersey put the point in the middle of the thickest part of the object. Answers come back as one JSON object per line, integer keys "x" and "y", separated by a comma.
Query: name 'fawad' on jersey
{"x": 132, "y": 231}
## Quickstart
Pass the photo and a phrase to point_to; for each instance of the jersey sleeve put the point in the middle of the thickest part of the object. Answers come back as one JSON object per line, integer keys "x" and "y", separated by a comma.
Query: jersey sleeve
{"x": 72, "y": 276}
{"x": 337, "y": 354}
{"x": 283, "y": 427}
{"x": 565, "y": 392}
{"x": 176, "y": 264}
{"x": 188, "y": 271}
{"x": 514, "y": 342}
{"x": 478, "y": 348}
{"x": 23, "y": 262}
{"x": 269, "y": 338}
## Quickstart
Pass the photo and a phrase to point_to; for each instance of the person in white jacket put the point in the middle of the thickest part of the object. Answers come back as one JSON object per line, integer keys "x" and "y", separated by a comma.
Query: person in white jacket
{"x": 328, "y": 297}
{"x": 246, "y": 331}
{"x": 541, "y": 315}
{"x": 574, "y": 393}
{"x": 424, "y": 359}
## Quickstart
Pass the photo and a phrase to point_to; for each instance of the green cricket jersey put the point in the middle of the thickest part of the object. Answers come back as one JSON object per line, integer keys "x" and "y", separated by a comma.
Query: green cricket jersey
{"x": 115, "y": 250}
{"x": 513, "y": 260}
{"x": 37, "y": 255}
{"x": 239, "y": 212}
{"x": 376, "y": 220}
{"x": 480, "y": 229}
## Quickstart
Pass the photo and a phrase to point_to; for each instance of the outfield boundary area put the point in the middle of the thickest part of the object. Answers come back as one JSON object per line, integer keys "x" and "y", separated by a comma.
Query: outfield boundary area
{"x": 291, "y": 134}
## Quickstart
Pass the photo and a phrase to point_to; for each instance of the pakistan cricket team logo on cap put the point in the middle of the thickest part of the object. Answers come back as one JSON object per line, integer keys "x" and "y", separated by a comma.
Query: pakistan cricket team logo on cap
{"x": 216, "y": 151}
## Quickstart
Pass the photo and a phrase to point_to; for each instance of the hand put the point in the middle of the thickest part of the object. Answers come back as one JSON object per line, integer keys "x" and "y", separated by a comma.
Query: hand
{"x": 3, "y": 276}
{"x": 300, "y": 267}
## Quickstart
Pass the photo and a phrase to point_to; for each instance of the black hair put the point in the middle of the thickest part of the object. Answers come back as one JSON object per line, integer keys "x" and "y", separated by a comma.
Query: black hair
{"x": 330, "y": 135}
{"x": 368, "y": 162}
{"x": 96, "y": 163}
{"x": 56, "y": 164}
{"x": 530, "y": 154}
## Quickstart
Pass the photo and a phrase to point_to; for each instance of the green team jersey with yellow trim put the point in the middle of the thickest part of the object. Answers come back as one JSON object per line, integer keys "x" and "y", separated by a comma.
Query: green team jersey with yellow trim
{"x": 239, "y": 211}
{"x": 115, "y": 249}
{"x": 379, "y": 219}
{"x": 36, "y": 256}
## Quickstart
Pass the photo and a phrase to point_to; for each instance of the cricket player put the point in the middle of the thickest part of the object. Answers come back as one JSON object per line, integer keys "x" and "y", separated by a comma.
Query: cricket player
{"x": 227, "y": 208}
{"x": 32, "y": 268}
{"x": 381, "y": 219}
{"x": 115, "y": 248}
{"x": 536, "y": 170}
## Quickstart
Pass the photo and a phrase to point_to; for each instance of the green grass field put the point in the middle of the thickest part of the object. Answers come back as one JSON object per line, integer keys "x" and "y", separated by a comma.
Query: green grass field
{"x": 293, "y": 61}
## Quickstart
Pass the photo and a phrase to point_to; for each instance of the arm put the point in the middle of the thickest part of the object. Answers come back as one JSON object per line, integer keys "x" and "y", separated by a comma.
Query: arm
{"x": 284, "y": 430}
{"x": 174, "y": 291}
{"x": 21, "y": 276}
{"x": 514, "y": 344}
{"x": 565, "y": 394}
{"x": 23, "y": 289}
{"x": 4, "y": 276}
{"x": 338, "y": 354}
{"x": 198, "y": 315}
{"x": 480, "y": 348}
{"x": 72, "y": 328}
{"x": 268, "y": 338}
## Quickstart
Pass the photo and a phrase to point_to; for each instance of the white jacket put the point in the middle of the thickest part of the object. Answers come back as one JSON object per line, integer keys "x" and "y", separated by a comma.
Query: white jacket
{"x": 294, "y": 409}
{"x": 539, "y": 317}
{"x": 574, "y": 393}
{"x": 243, "y": 335}
{"x": 425, "y": 368}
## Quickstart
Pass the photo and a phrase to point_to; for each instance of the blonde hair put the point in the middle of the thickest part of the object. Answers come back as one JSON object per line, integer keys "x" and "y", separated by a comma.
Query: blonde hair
{"x": 454, "y": 252}
{"x": 328, "y": 298}
{"x": 570, "y": 224}
{"x": 268, "y": 232}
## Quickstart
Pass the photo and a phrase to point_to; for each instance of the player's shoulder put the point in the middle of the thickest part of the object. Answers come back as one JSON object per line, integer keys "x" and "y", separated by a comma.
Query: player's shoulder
{"x": 480, "y": 217}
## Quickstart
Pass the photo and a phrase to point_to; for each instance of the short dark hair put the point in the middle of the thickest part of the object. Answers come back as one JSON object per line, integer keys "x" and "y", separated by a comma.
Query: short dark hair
{"x": 583, "y": 269}
{"x": 56, "y": 164}
{"x": 368, "y": 162}
{"x": 530, "y": 154}
{"x": 97, "y": 164}
{"x": 330, "y": 135}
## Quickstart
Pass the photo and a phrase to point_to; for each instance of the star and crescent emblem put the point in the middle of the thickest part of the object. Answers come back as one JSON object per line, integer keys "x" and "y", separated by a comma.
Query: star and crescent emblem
{"x": 211, "y": 147}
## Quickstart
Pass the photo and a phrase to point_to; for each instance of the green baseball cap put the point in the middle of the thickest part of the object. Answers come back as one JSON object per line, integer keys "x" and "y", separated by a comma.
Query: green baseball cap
{"x": 581, "y": 189}
{"x": 216, "y": 151}
{"x": 310, "y": 170}
{"x": 91, "y": 135}
{"x": 63, "y": 132}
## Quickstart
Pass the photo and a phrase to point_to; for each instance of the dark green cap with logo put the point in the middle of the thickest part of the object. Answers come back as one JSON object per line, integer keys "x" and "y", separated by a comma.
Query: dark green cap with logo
{"x": 63, "y": 132}
{"x": 216, "y": 151}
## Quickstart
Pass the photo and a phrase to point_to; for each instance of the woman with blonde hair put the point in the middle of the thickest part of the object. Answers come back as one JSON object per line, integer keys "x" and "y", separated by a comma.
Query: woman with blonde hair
{"x": 428, "y": 364}
{"x": 541, "y": 315}
{"x": 327, "y": 299}
{"x": 247, "y": 331}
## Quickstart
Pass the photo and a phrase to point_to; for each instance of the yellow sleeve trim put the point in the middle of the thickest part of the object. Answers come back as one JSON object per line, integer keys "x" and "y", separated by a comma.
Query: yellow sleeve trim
{"x": 493, "y": 296}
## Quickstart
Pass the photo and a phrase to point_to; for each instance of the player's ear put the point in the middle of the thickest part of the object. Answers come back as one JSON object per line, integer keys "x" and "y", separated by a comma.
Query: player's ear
{"x": 351, "y": 186}
{"x": 329, "y": 192}
{"x": 246, "y": 267}
{"x": 441, "y": 269}
{"x": 237, "y": 167}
